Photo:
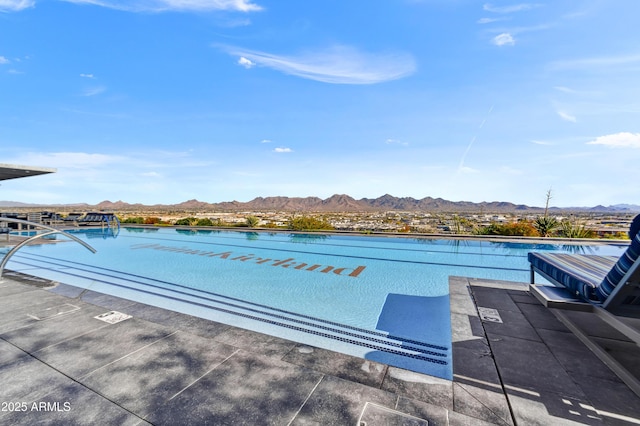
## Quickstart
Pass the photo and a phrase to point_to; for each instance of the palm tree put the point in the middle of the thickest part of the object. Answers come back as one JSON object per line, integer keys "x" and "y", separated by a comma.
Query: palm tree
{"x": 252, "y": 221}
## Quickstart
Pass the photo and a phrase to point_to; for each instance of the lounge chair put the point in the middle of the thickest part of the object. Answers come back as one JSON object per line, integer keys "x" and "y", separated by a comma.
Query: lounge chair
{"x": 607, "y": 286}
{"x": 604, "y": 281}
{"x": 5, "y": 230}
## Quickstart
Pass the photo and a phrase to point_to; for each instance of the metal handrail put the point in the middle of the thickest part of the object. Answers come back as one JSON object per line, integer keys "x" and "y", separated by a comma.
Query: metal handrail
{"x": 35, "y": 237}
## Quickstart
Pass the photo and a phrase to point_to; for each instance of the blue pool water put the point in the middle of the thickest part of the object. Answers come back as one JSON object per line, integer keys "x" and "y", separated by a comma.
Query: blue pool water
{"x": 380, "y": 298}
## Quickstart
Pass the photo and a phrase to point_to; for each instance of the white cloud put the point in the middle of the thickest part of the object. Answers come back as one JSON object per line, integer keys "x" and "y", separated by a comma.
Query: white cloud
{"x": 566, "y": 116}
{"x": 71, "y": 160}
{"x": 337, "y": 65}
{"x": 265, "y": 141}
{"x": 87, "y": 76}
{"x": 510, "y": 9}
{"x": 618, "y": 140}
{"x": 587, "y": 93}
{"x": 282, "y": 149}
{"x": 520, "y": 30}
{"x": 490, "y": 20}
{"x": 15, "y": 5}
{"x": 246, "y": 62}
{"x": 504, "y": 39}
{"x": 93, "y": 177}
{"x": 173, "y": 5}
{"x": 4, "y": 60}
{"x": 94, "y": 91}
{"x": 539, "y": 142}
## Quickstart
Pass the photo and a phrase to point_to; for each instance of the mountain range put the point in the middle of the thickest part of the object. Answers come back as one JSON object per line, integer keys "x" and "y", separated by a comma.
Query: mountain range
{"x": 335, "y": 203}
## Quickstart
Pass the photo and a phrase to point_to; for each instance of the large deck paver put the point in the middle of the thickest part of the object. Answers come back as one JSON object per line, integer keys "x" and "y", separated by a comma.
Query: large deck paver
{"x": 38, "y": 335}
{"x": 94, "y": 350}
{"x": 244, "y": 390}
{"x": 337, "y": 401}
{"x": 162, "y": 370}
{"x": 23, "y": 378}
{"x": 343, "y": 366}
{"x": 72, "y": 404}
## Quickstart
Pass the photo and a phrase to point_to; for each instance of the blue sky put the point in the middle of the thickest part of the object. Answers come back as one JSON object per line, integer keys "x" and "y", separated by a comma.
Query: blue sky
{"x": 161, "y": 101}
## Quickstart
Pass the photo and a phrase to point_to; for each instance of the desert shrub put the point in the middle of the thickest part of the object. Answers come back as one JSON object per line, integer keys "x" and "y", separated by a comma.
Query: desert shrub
{"x": 186, "y": 221}
{"x": 573, "y": 229}
{"x": 309, "y": 223}
{"x": 616, "y": 236}
{"x": 204, "y": 222}
{"x": 521, "y": 229}
{"x": 137, "y": 220}
{"x": 546, "y": 225}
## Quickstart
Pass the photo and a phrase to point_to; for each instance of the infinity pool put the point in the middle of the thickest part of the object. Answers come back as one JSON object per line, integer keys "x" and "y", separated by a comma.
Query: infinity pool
{"x": 384, "y": 299}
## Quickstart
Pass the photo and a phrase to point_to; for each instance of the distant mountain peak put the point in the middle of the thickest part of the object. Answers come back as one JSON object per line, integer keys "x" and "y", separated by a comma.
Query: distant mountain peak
{"x": 336, "y": 203}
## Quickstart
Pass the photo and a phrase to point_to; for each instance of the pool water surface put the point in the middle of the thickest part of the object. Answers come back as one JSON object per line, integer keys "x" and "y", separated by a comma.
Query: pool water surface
{"x": 383, "y": 299}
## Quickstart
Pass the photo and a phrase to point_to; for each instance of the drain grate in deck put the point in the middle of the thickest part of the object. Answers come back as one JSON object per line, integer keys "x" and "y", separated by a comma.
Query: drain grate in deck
{"x": 489, "y": 315}
{"x": 113, "y": 317}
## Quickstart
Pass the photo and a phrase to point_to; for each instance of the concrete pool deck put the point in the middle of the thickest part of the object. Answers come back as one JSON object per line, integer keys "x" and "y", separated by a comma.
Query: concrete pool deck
{"x": 60, "y": 365}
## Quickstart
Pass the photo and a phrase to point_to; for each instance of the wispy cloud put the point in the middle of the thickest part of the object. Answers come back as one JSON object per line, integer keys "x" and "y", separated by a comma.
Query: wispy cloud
{"x": 93, "y": 91}
{"x": 506, "y": 36}
{"x": 504, "y": 39}
{"x": 337, "y": 65}
{"x": 598, "y": 61}
{"x": 566, "y": 116}
{"x": 173, "y": 5}
{"x": 539, "y": 142}
{"x": 246, "y": 62}
{"x": 70, "y": 160}
{"x": 467, "y": 170}
{"x": 461, "y": 166}
{"x": 510, "y": 9}
{"x": 571, "y": 91}
{"x": 565, "y": 89}
{"x": 117, "y": 115}
{"x": 4, "y": 60}
{"x": 483, "y": 21}
{"x": 521, "y": 30}
{"x": 265, "y": 141}
{"x": 618, "y": 140}
{"x": 15, "y": 5}
{"x": 282, "y": 150}
{"x": 137, "y": 176}
{"x": 87, "y": 76}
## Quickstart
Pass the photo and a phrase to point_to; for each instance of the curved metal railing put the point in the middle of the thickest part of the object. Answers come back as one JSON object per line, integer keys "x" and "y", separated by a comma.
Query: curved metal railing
{"x": 35, "y": 237}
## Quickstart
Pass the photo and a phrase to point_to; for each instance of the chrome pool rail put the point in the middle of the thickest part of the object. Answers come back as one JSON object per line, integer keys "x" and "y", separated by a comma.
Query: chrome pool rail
{"x": 23, "y": 243}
